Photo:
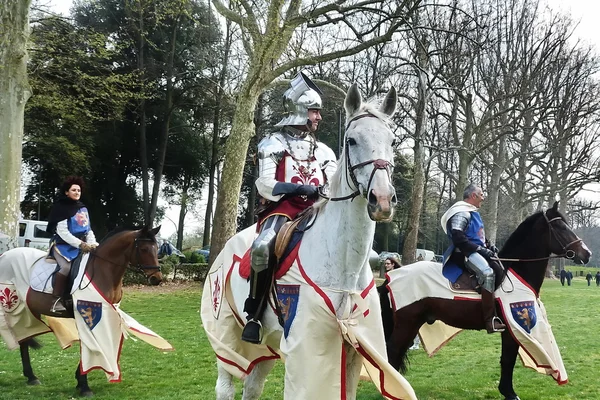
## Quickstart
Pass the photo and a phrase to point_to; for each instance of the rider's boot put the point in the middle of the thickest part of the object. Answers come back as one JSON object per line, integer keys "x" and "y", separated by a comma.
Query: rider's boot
{"x": 59, "y": 289}
{"x": 492, "y": 322}
{"x": 254, "y": 305}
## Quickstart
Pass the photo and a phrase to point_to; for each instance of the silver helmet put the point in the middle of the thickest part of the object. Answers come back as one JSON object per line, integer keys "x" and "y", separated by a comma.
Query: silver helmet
{"x": 303, "y": 95}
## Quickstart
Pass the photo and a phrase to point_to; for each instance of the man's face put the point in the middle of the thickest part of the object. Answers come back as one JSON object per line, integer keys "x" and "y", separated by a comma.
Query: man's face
{"x": 477, "y": 197}
{"x": 314, "y": 116}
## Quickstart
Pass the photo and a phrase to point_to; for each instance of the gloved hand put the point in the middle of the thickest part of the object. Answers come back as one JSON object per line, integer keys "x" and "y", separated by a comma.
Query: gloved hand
{"x": 307, "y": 190}
{"x": 493, "y": 248}
{"x": 486, "y": 253}
{"x": 85, "y": 247}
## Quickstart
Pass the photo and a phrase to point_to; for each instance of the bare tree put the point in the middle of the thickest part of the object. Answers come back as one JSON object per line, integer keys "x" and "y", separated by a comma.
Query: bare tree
{"x": 268, "y": 28}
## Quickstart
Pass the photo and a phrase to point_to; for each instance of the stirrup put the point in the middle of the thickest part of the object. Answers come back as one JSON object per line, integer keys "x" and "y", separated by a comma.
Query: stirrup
{"x": 492, "y": 324}
{"x": 252, "y": 331}
{"x": 60, "y": 304}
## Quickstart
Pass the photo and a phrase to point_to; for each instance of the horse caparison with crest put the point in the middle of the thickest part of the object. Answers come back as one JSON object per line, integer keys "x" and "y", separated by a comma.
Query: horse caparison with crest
{"x": 526, "y": 253}
{"x": 323, "y": 295}
{"x": 121, "y": 249}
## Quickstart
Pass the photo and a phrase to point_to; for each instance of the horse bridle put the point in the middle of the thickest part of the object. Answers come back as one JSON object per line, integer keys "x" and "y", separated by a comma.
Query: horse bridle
{"x": 568, "y": 253}
{"x": 138, "y": 266}
{"x": 377, "y": 164}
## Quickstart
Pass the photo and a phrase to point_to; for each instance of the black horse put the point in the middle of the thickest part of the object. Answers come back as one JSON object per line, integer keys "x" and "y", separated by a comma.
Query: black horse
{"x": 526, "y": 252}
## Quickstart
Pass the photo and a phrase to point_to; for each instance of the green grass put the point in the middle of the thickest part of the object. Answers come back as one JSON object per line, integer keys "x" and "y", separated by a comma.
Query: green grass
{"x": 467, "y": 368}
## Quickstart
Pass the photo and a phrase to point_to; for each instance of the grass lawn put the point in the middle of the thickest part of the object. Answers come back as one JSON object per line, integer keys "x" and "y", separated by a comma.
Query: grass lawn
{"x": 467, "y": 368}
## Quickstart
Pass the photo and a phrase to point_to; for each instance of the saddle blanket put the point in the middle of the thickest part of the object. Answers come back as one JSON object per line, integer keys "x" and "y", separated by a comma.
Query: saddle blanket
{"x": 102, "y": 327}
{"x": 317, "y": 324}
{"x": 522, "y": 311}
{"x": 41, "y": 274}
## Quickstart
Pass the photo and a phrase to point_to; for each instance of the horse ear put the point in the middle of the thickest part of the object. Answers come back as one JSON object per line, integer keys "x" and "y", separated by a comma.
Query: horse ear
{"x": 353, "y": 100}
{"x": 388, "y": 107}
{"x": 155, "y": 230}
{"x": 555, "y": 206}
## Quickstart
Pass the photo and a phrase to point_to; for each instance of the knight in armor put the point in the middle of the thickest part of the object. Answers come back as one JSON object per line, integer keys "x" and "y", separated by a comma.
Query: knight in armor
{"x": 69, "y": 222}
{"x": 292, "y": 166}
{"x": 469, "y": 248}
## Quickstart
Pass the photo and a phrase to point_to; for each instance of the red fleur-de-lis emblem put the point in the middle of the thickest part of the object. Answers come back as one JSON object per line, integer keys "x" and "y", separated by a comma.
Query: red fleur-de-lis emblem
{"x": 216, "y": 294}
{"x": 9, "y": 299}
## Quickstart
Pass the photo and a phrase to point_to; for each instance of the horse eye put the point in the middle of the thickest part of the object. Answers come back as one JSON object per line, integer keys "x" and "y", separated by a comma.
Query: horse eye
{"x": 351, "y": 142}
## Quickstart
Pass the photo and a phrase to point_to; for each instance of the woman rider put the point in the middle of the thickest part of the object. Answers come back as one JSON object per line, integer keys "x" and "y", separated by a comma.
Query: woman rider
{"x": 69, "y": 221}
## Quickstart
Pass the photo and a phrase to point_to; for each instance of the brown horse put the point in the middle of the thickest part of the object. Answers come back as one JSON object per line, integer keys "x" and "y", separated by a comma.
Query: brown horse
{"x": 528, "y": 249}
{"x": 120, "y": 249}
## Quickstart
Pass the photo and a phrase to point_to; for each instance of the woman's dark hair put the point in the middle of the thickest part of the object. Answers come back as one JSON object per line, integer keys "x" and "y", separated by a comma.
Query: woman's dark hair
{"x": 393, "y": 261}
{"x": 70, "y": 181}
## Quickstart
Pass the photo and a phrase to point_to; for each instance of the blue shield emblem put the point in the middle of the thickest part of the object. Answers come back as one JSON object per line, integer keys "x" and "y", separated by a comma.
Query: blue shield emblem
{"x": 523, "y": 313}
{"x": 90, "y": 311}
{"x": 287, "y": 297}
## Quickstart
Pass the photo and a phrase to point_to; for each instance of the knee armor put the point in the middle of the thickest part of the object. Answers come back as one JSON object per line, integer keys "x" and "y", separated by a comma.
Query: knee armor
{"x": 261, "y": 248}
{"x": 480, "y": 267}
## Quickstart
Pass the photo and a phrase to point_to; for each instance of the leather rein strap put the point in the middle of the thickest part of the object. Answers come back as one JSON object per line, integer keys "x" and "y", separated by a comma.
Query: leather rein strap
{"x": 377, "y": 164}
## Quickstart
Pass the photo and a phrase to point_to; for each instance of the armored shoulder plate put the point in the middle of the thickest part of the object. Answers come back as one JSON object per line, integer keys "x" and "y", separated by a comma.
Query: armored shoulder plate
{"x": 271, "y": 146}
{"x": 323, "y": 153}
{"x": 459, "y": 221}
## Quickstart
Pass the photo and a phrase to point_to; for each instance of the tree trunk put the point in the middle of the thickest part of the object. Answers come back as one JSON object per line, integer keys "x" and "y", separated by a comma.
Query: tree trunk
{"x": 236, "y": 149}
{"x": 214, "y": 157}
{"x": 14, "y": 93}
{"x": 143, "y": 143}
{"x": 164, "y": 134}
{"x": 182, "y": 213}
{"x": 409, "y": 249}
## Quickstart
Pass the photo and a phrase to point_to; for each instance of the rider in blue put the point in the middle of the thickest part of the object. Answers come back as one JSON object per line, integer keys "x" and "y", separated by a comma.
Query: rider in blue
{"x": 464, "y": 227}
{"x": 69, "y": 221}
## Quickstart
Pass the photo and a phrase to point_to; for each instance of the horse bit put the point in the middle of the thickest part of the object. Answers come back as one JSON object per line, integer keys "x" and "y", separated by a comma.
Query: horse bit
{"x": 377, "y": 164}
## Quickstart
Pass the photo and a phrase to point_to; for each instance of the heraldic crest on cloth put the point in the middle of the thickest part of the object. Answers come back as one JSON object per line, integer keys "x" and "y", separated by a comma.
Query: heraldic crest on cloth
{"x": 9, "y": 298}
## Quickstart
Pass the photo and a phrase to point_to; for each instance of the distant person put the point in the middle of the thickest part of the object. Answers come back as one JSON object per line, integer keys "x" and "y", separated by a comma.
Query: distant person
{"x": 420, "y": 258}
{"x": 588, "y": 278}
{"x": 563, "y": 276}
{"x": 569, "y": 277}
{"x": 598, "y": 278}
{"x": 390, "y": 263}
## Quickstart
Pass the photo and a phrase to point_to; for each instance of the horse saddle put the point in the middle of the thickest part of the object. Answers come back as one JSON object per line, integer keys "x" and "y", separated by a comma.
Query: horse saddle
{"x": 291, "y": 233}
{"x": 461, "y": 279}
{"x": 43, "y": 275}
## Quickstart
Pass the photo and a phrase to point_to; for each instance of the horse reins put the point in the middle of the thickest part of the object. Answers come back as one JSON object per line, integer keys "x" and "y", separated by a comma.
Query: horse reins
{"x": 377, "y": 165}
{"x": 567, "y": 252}
{"x": 139, "y": 267}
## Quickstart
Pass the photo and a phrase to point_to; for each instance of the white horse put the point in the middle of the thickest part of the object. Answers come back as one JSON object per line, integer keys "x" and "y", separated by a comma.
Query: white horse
{"x": 327, "y": 297}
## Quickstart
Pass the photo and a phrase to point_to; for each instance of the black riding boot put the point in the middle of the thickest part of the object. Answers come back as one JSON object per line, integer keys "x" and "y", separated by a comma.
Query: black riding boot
{"x": 255, "y": 305}
{"x": 60, "y": 283}
{"x": 492, "y": 322}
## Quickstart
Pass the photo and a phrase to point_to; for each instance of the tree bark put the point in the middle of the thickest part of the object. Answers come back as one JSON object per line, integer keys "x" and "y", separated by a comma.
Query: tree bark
{"x": 214, "y": 157}
{"x": 236, "y": 149}
{"x": 14, "y": 93}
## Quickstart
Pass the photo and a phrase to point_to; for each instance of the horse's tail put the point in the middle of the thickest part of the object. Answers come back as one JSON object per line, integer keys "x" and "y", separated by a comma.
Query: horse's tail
{"x": 32, "y": 343}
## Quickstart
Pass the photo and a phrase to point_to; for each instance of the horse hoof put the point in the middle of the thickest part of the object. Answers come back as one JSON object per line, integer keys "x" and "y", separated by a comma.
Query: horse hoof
{"x": 34, "y": 382}
{"x": 86, "y": 393}
{"x": 515, "y": 397}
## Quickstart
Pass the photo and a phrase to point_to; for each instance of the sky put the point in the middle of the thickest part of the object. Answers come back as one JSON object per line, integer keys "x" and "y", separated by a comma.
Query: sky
{"x": 587, "y": 12}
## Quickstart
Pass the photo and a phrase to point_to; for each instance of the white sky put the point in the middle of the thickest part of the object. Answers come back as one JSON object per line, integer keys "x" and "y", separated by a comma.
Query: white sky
{"x": 587, "y": 12}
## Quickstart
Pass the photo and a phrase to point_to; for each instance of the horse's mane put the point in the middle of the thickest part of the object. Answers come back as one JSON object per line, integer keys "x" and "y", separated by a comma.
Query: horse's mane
{"x": 146, "y": 233}
{"x": 341, "y": 175}
{"x": 523, "y": 230}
